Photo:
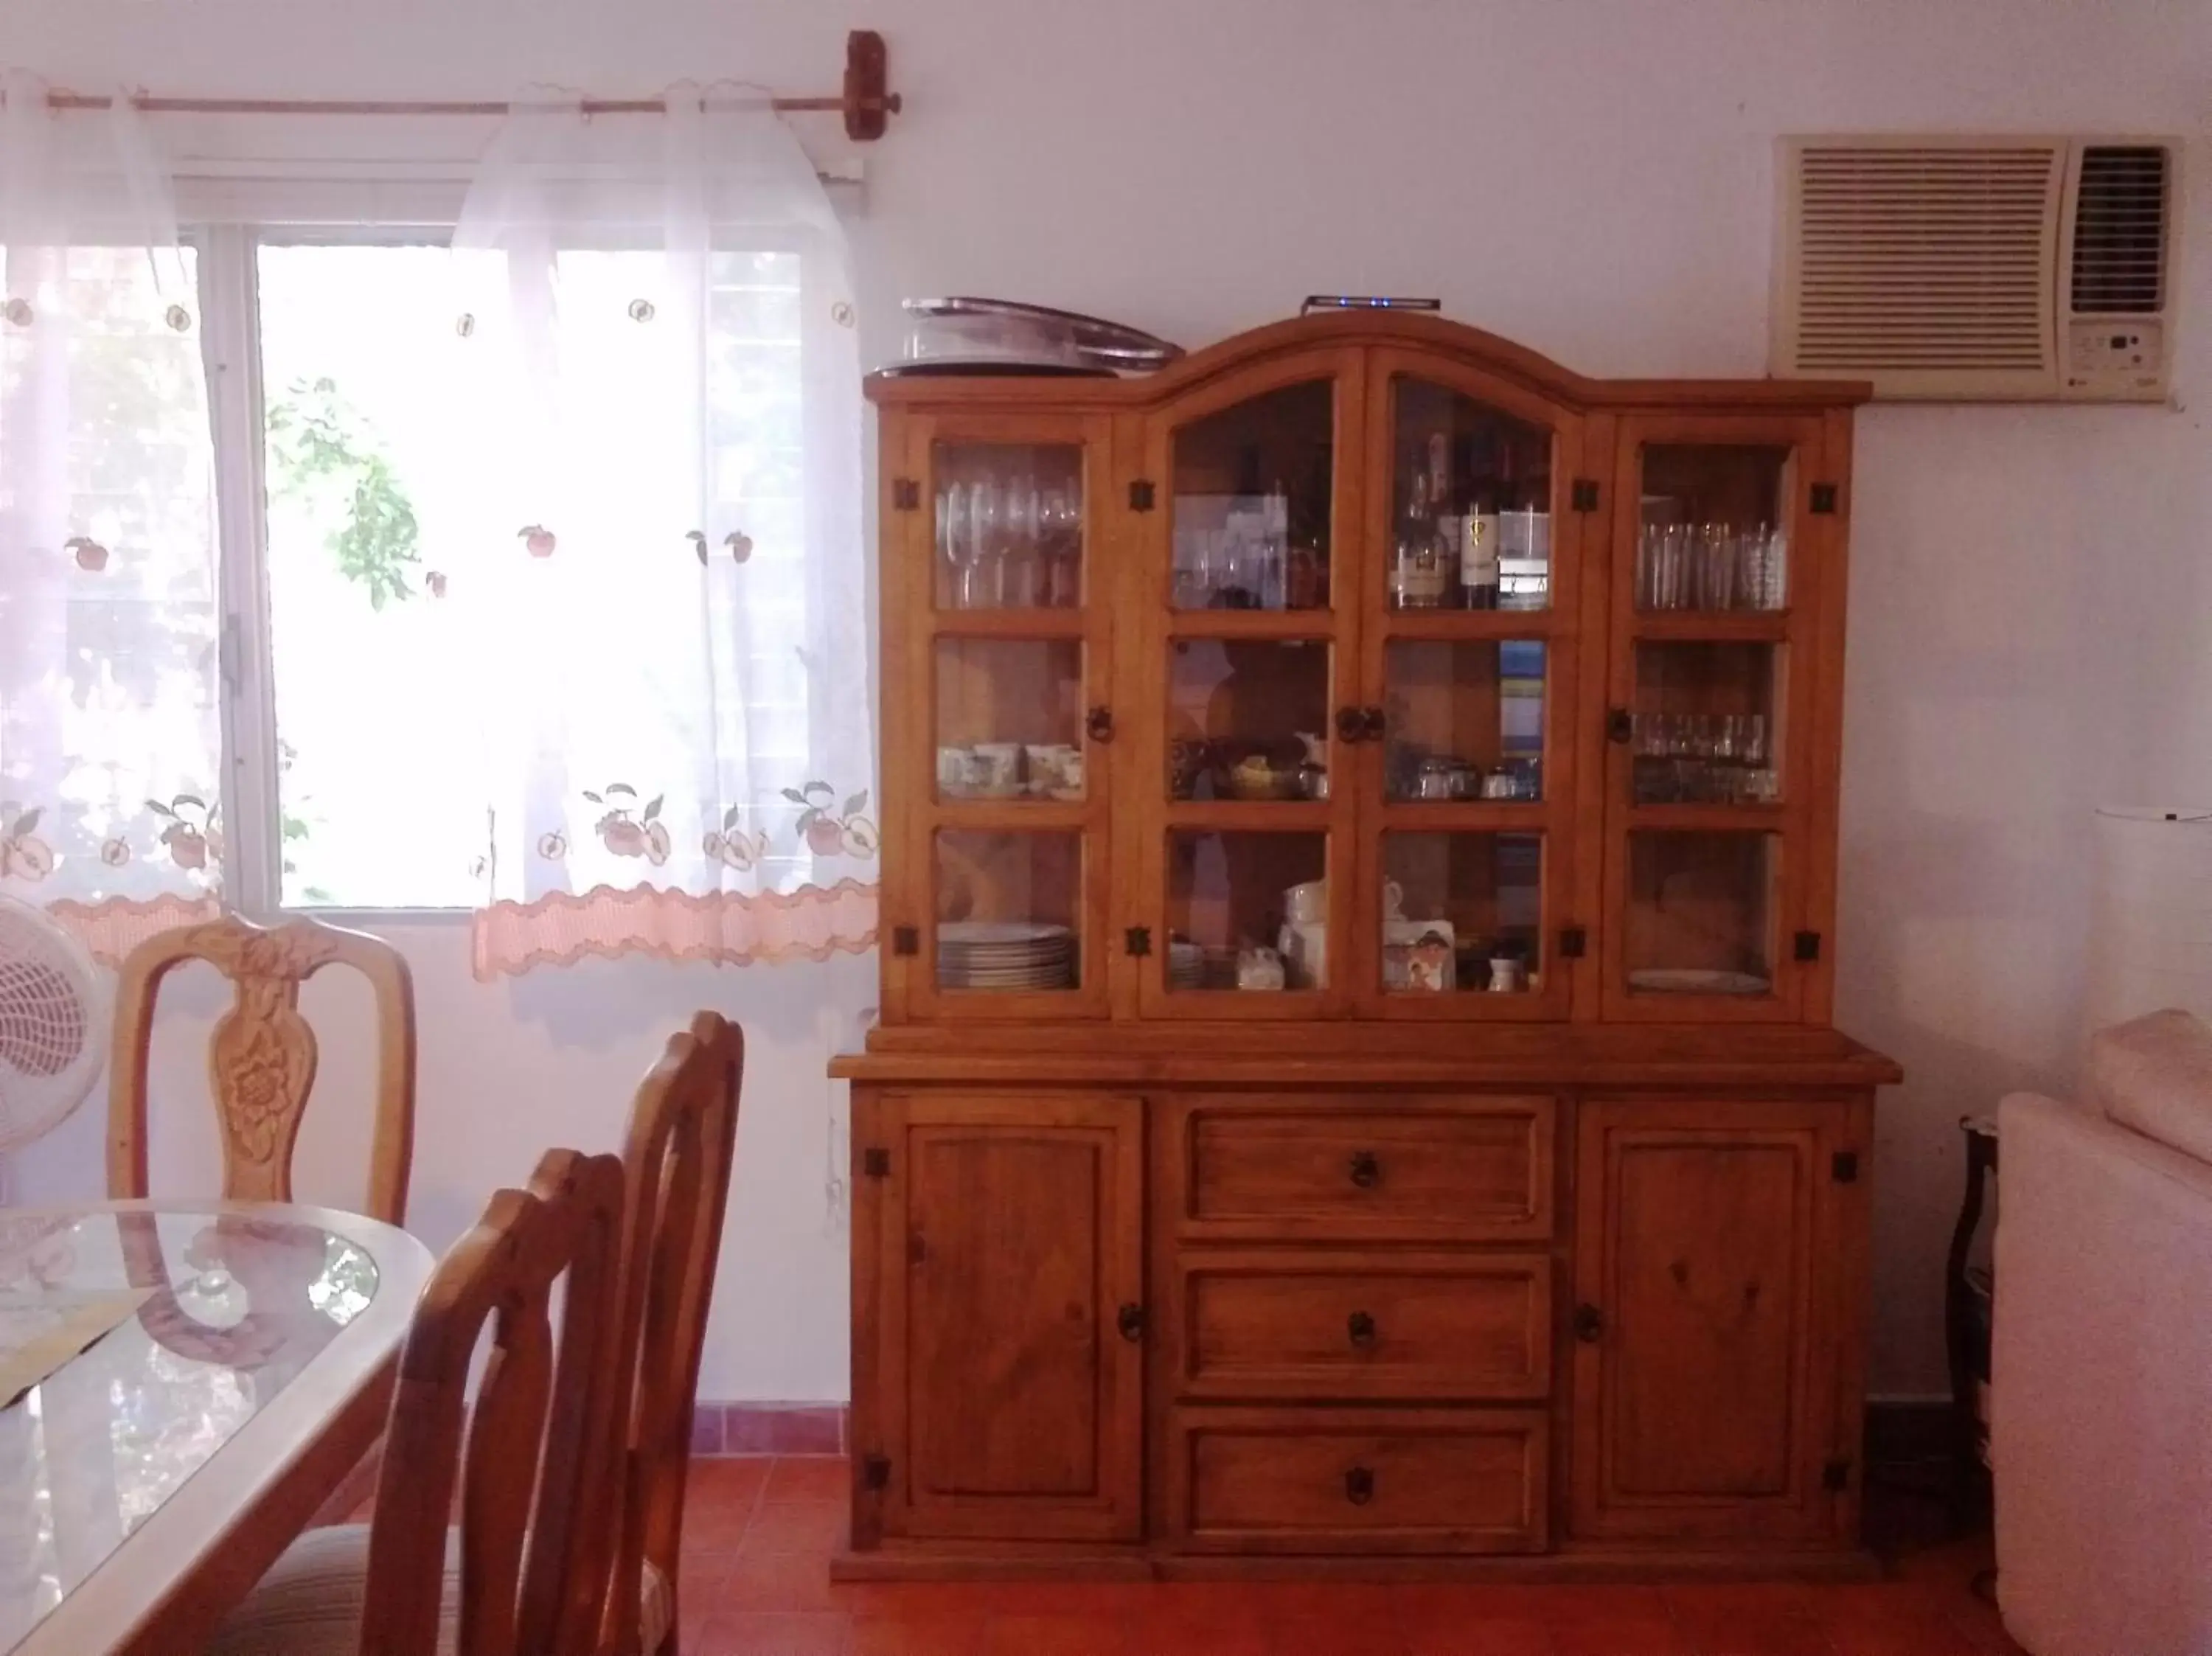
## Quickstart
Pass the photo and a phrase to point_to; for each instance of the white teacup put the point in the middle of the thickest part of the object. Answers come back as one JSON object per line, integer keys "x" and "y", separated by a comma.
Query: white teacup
{"x": 998, "y": 768}
{"x": 955, "y": 772}
{"x": 1055, "y": 767}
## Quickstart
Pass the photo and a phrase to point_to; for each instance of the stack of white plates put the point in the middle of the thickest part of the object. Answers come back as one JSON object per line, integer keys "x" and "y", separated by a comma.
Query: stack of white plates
{"x": 1186, "y": 965}
{"x": 1004, "y": 955}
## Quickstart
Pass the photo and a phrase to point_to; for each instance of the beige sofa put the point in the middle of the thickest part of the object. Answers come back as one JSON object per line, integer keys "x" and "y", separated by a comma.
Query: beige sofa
{"x": 2100, "y": 1438}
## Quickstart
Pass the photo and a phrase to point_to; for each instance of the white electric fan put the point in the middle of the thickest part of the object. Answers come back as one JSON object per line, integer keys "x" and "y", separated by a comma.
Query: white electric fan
{"x": 53, "y": 1027}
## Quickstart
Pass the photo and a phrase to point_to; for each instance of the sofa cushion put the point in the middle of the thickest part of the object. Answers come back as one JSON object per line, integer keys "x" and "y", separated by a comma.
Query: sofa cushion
{"x": 2153, "y": 1074}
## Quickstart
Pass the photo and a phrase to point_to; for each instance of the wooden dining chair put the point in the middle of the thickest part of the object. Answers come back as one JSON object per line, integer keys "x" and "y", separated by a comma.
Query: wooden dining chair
{"x": 262, "y": 1056}
{"x": 522, "y": 1574}
{"x": 676, "y": 1165}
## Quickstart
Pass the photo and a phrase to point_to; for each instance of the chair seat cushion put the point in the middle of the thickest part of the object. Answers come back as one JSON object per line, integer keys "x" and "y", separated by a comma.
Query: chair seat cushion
{"x": 2154, "y": 1075}
{"x": 312, "y": 1599}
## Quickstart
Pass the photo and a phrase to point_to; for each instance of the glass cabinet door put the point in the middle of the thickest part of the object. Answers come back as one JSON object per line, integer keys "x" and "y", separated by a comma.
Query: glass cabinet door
{"x": 1469, "y": 636}
{"x": 1254, "y": 492}
{"x": 1250, "y": 852}
{"x": 1707, "y": 780}
{"x": 1009, "y": 646}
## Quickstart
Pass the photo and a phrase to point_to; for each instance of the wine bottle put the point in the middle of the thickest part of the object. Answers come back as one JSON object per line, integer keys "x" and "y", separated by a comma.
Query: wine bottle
{"x": 1416, "y": 582}
{"x": 1478, "y": 566}
{"x": 1446, "y": 519}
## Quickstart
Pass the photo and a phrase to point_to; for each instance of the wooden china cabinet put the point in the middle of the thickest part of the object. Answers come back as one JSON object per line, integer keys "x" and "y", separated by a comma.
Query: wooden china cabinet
{"x": 1355, "y": 1089}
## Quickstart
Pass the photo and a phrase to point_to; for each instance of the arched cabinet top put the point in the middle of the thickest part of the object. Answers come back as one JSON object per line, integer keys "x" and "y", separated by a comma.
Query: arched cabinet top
{"x": 1400, "y": 331}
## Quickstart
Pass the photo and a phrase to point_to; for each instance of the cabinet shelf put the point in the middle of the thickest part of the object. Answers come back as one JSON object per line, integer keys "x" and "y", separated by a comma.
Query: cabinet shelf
{"x": 1285, "y": 624}
{"x": 1449, "y": 625}
{"x": 1236, "y": 815}
{"x": 1718, "y": 819}
{"x": 1712, "y": 626}
{"x": 1007, "y": 623}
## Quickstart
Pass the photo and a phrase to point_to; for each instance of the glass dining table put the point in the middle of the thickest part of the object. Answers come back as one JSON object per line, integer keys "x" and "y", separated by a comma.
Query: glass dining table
{"x": 148, "y": 1479}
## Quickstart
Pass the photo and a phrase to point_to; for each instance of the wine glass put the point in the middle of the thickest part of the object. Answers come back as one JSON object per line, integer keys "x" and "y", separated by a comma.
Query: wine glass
{"x": 984, "y": 571}
{"x": 1020, "y": 578}
{"x": 1061, "y": 529}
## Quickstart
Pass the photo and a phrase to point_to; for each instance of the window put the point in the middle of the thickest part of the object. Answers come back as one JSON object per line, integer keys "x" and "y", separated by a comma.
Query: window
{"x": 374, "y": 652}
{"x": 344, "y": 620}
{"x": 512, "y": 566}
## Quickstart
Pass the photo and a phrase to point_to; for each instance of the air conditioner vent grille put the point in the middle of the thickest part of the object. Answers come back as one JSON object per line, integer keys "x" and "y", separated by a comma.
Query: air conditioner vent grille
{"x": 1925, "y": 260}
{"x": 2119, "y": 231}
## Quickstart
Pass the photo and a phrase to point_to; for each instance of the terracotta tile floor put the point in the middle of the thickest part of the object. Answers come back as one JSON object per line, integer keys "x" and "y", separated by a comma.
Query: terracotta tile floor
{"x": 755, "y": 1581}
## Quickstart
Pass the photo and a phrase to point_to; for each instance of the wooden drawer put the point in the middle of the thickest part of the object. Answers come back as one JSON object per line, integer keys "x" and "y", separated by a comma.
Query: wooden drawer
{"x": 1351, "y": 1169}
{"x": 1358, "y": 1480}
{"x": 1254, "y": 1324}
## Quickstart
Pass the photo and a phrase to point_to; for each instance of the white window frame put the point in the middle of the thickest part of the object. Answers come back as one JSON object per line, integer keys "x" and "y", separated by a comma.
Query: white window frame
{"x": 230, "y": 308}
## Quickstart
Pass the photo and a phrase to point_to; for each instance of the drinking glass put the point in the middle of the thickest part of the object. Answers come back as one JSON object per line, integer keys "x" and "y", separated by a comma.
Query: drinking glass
{"x": 1022, "y": 573}
{"x": 986, "y": 567}
{"x": 952, "y": 508}
{"x": 1060, "y": 526}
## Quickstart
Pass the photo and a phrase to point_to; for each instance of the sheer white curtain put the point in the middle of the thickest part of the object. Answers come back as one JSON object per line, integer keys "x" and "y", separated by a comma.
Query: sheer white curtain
{"x": 657, "y": 564}
{"x": 109, "y": 730}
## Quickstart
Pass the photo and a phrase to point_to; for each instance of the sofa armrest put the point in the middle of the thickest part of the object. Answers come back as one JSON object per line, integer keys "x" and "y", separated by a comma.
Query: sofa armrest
{"x": 2100, "y": 1433}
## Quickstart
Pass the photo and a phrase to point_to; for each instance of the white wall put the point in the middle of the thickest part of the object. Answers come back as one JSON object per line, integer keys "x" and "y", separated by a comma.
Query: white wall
{"x": 1591, "y": 177}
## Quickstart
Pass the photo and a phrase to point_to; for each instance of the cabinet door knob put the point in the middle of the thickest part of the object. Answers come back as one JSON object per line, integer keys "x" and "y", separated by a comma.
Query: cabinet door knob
{"x": 1098, "y": 723}
{"x": 1619, "y": 726}
{"x": 1351, "y": 723}
{"x": 1131, "y": 1322}
{"x": 1590, "y": 1323}
{"x": 1361, "y": 1328}
{"x": 1366, "y": 1171}
{"x": 1371, "y": 724}
{"x": 1359, "y": 1485}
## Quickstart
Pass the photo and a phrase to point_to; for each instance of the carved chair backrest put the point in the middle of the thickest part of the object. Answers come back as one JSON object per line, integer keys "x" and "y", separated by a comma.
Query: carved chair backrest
{"x": 531, "y": 1454}
{"x": 262, "y": 1056}
{"x": 676, "y": 1164}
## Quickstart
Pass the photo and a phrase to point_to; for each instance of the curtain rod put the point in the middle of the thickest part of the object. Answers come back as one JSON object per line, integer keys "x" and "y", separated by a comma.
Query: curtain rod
{"x": 866, "y": 101}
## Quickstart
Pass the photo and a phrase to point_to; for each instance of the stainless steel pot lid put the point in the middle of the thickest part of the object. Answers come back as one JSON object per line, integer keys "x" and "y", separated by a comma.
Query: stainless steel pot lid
{"x": 1108, "y": 344}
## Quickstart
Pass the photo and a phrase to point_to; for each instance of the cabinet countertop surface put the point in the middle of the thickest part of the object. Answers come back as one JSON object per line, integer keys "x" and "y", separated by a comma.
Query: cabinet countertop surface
{"x": 1642, "y": 1056}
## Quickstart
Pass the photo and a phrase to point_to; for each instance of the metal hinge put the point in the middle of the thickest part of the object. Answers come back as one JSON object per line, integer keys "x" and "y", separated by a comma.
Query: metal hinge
{"x": 875, "y": 1472}
{"x": 1806, "y": 946}
{"x": 906, "y": 494}
{"x": 1823, "y": 499}
{"x": 1573, "y": 942}
{"x": 1843, "y": 1167}
{"x": 1141, "y": 495}
{"x": 1836, "y": 1475}
{"x": 1137, "y": 940}
{"x": 875, "y": 1163}
{"x": 1583, "y": 495}
{"x": 905, "y": 940}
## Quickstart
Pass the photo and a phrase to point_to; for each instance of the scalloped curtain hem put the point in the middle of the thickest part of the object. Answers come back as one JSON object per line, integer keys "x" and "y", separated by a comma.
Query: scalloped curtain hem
{"x": 111, "y": 928}
{"x": 724, "y": 928}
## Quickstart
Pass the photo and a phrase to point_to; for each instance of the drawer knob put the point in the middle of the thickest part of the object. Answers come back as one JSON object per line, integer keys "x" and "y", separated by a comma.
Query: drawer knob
{"x": 1361, "y": 1327}
{"x": 1366, "y": 1171}
{"x": 1359, "y": 1486}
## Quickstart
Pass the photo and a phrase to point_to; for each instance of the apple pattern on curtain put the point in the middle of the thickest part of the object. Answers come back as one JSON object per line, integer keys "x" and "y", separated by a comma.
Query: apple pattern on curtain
{"x": 660, "y": 570}
{"x": 110, "y": 731}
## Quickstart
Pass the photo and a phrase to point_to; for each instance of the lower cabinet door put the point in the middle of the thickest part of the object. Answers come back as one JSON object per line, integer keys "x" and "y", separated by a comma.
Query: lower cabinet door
{"x": 1007, "y": 1359}
{"x": 1256, "y": 1480}
{"x": 1711, "y": 1260}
